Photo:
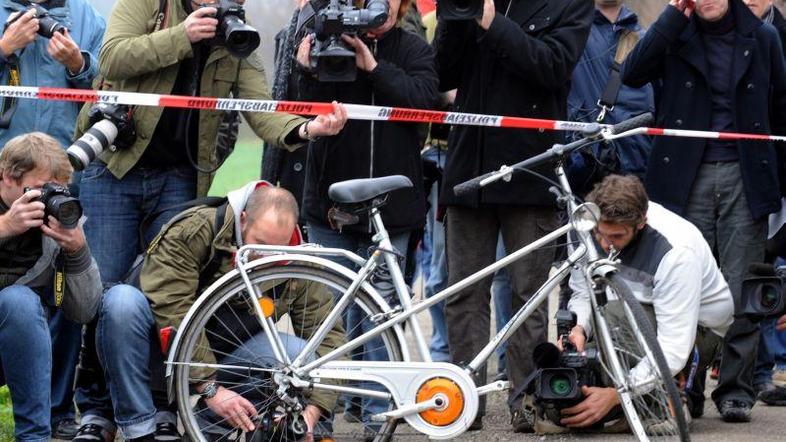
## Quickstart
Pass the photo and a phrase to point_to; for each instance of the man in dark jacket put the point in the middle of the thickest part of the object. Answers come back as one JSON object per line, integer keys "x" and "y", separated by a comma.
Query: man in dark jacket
{"x": 517, "y": 59}
{"x": 722, "y": 70}
{"x": 615, "y": 31}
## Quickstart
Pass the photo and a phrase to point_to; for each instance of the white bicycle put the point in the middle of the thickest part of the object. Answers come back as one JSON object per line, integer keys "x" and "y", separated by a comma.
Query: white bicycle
{"x": 381, "y": 386}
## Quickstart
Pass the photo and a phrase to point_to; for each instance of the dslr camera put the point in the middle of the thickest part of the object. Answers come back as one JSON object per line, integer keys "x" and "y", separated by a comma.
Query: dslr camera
{"x": 111, "y": 127}
{"x": 59, "y": 203}
{"x": 331, "y": 58}
{"x": 47, "y": 26}
{"x": 762, "y": 292}
{"x": 239, "y": 38}
{"x": 561, "y": 375}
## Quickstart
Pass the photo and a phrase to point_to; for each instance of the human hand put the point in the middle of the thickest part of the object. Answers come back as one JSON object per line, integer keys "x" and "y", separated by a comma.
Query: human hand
{"x": 237, "y": 410}
{"x": 686, "y": 6}
{"x": 25, "y": 213}
{"x": 781, "y": 324}
{"x": 70, "y": 240}
{"x": 325, "y": 124}
{"x": 489, "y": 11}
{"x": 597, "y": 403}
{"x": 577, "y": 337}
{"x": 201, "y": 24}
{"x": 20, "y": 33}
{"x": 304, "y": 52}
{"x": 65, "y": 50}
{"x": 363, "y": 57}
{"x": 311, "y": 415}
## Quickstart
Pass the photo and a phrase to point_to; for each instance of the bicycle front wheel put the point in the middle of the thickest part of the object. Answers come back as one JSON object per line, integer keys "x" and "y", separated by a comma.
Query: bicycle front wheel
{"x": 243, "y": 362}
{"x": 651, "y": 404}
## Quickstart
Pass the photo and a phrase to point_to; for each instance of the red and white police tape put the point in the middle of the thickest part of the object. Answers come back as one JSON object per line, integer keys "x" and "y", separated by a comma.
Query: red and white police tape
{"x": 354, "y": 111}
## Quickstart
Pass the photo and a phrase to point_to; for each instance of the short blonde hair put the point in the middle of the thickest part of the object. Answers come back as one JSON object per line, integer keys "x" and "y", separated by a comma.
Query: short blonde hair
{"x": 34, "y": 150}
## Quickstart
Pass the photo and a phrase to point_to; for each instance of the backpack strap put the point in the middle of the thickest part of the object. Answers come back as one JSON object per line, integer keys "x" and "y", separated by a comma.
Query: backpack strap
{"x": 213, "y": 265}
{"x": 625, "y": 45}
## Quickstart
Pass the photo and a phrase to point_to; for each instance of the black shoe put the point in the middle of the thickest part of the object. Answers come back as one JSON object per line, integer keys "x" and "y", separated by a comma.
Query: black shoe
{"x": 761, "y": 388}
{"x": 522, "y": 420}
{"x": 146, "y": 438}
{"x": 353, "y": 414}
{"x": 93, "y": 433}
{"x": 735, "y": 411}
{"x": 65, "y": 429}
{"x": 775, "y": 397}
{"x": 167, "y": 432}
{"x": 501, "y": 376}
{"x": 477, "y": 424}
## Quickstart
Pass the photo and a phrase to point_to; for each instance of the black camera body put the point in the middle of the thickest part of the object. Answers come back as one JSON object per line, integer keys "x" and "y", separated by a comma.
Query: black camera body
{"x": 239, "y": 38}
{"x": 47, "y": 26}
{"x": 59, "y": 203}
{"x": 561, "y": 375}
{"x": 459, "y": 9}
{"x": 762, "y": 295}
{"x": 331, "y": 59}
{"x": 111, "y": 127}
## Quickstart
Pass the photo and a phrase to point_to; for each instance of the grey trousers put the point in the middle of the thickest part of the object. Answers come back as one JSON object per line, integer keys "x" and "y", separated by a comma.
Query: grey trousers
{"x": 718, "y": 207}
{"x": 471, "y": 240}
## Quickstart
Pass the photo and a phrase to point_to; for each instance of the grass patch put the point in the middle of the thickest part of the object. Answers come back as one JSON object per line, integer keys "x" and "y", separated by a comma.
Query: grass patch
{"x": 240, "y": 168}
{"x": 6, "y": 416}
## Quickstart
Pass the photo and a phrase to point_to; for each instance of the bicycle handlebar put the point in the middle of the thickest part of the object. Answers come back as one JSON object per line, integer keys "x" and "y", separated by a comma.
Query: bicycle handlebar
{"x": 557, "y": 151}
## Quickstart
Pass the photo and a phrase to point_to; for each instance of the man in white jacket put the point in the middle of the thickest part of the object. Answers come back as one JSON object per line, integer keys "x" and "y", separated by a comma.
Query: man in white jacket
{"x": 671, "y": 271}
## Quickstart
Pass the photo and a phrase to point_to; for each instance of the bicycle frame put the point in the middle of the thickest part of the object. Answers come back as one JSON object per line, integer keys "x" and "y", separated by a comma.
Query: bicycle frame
{"x": 407, "y": 311}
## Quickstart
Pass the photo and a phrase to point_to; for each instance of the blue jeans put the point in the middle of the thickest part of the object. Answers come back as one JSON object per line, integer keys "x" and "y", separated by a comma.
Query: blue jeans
{"x": 26, "y": 358}
{"x": 66, "y": 337}
{"x": 115, "y": 209}
{"x": 502, "y": 296}
{"x": 772, "y": 352}
{"x": 129, "y": 351}
{"x": 354, "y": 322}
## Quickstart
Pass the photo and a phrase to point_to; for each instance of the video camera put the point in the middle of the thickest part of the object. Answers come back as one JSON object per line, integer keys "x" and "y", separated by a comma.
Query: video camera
{"x": 239, "y": 38}
{"x": 762, "y": 294}
{"x": 561, "y": 374}
{"x": 111, "y": 127}
{"x": 331, "y": 58}
{"x": 59, "y": 203}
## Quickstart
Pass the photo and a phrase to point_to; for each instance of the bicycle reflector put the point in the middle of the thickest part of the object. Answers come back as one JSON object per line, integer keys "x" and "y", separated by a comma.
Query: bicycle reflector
{"x": 268, "y": 306}
{"x": 585, "y": 217}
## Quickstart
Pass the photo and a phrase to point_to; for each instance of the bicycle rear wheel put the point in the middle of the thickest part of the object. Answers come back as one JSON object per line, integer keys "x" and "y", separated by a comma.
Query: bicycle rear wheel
{"x": 245, "y": 365}
{"x": 654, "y": 409}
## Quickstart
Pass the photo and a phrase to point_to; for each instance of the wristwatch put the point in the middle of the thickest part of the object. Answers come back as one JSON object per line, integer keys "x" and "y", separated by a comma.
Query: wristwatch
{"x": 210, "y": 391}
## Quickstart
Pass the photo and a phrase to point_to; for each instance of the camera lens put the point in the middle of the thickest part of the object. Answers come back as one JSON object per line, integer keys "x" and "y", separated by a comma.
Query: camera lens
{"x": 560, "y": 385}
{"x": 240, "y": 39}
{"x": 66, "y": 209}
{"x": 769, "y": 297}
{"x": 91, "y": 144}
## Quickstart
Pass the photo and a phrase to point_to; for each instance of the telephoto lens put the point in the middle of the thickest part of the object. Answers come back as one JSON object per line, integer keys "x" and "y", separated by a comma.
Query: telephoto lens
{"x": 91, "y": 144}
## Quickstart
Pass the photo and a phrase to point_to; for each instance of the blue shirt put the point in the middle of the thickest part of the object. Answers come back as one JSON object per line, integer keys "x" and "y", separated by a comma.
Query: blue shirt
{"x": 589, "y": 81}
{"x": 56, "y": 118}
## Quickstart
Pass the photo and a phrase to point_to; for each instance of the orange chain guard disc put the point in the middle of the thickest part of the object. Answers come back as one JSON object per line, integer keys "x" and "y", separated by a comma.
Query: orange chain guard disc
{"x": 448, "y": 413}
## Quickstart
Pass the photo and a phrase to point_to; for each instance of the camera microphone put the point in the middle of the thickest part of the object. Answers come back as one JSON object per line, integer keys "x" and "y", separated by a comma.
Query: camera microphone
{"x": 761, "y": 269}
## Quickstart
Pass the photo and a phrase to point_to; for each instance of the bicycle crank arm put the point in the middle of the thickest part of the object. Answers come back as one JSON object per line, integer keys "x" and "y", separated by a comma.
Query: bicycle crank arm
{"x": 492, "y": 387}
{"x": 419, "y": 407}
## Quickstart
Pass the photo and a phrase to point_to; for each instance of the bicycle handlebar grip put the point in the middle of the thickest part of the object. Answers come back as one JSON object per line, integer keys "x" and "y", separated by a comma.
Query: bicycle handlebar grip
{"x": 643, "y": 120}
{"x": 467, "y": 187}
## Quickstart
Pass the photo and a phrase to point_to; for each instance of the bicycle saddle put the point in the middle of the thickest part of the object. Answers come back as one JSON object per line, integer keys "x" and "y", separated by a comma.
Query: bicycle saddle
{"x": 358, "y": 191}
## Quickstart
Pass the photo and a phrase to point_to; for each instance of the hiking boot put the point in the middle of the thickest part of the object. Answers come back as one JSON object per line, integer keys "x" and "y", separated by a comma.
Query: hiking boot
{"x": 775, "y": 397}
{"x": 167, "y": 432}
{"x": 93, "y": 433}
{"x": 65, "y": 429}
{"x": 735, "y": 411}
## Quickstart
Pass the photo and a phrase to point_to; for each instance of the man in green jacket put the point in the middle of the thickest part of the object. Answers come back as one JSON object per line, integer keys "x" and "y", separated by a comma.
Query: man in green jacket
{"x": 190, "y": 253}
{"x": 162, "y": 47}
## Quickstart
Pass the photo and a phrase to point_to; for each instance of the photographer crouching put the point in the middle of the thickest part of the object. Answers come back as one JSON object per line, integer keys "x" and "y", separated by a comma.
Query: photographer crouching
{"x": 670, "y": 271}
{"x": 45, "y": 264}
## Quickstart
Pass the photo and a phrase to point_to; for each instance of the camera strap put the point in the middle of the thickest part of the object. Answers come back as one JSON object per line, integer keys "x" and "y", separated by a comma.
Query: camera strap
{"x": 9, "y": 103}
{"x": 162, "y": 15}
{"x": 608, "y": 99}
{"x": 59, "y": 282}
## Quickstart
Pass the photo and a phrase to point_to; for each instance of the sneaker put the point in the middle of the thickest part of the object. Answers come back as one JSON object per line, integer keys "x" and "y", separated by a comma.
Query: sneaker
{"x": 65, "y": 429}
{"x": 167, "y": 432}
{"x": 775, "y": 397}
{"x": 779, "y": 376}
{"x": 735, "y": 411}
{"x": 93, "y": 433}
{"x": 523, "y": 421}
{"x": 762, "y": 387}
